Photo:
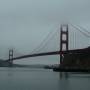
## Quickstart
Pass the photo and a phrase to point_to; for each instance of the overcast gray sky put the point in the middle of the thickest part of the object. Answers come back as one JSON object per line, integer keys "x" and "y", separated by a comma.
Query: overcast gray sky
{"x": 25, "y": 23}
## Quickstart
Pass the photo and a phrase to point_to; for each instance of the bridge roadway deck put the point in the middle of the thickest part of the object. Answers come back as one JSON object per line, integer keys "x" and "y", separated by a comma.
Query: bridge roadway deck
{"x": 77, "y": 51}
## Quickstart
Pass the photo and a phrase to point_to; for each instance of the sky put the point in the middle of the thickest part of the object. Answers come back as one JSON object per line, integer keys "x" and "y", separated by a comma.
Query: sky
{"x": 25, "y": 23}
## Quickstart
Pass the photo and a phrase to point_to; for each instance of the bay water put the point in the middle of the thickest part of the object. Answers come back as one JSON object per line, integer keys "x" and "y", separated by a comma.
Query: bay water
{"x": 42, "y": 79}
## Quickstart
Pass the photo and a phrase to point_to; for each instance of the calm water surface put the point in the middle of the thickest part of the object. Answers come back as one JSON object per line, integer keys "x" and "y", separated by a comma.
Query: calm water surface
{"x": 40, "y": 79}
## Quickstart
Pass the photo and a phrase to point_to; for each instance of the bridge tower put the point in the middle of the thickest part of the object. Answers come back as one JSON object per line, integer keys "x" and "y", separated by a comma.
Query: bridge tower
{"x": 63, "y": 40}
{"x": 11, "y": 57}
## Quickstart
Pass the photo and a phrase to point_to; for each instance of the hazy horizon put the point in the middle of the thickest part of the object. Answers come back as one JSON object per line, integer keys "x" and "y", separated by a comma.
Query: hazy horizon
{"x": 25, "y": 23}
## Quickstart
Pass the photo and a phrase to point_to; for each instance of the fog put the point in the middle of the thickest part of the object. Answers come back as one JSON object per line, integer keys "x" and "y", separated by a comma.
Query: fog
{"x": 25, "y": 23}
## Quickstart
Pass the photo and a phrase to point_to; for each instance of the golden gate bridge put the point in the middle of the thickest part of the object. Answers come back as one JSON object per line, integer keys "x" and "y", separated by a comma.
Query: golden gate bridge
{"x": 64, "y": 40}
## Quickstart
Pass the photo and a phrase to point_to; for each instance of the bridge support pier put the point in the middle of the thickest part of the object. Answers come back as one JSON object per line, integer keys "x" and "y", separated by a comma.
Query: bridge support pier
{"x": 10, "y": 57}
{"x": 63, "y": 41}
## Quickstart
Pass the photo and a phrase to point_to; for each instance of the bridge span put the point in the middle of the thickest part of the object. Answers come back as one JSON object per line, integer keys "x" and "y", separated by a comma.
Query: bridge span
{"x": 77, "y": 51}
{"x": 63, "y": 47}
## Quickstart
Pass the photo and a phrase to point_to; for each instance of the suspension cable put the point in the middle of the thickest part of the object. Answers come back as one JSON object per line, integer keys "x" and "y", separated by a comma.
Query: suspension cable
{"x": 46, "y": 38}
{"x": 47, "y": 41}
{"x": 80, "y": 30}
{"x": 84, "y": 29}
